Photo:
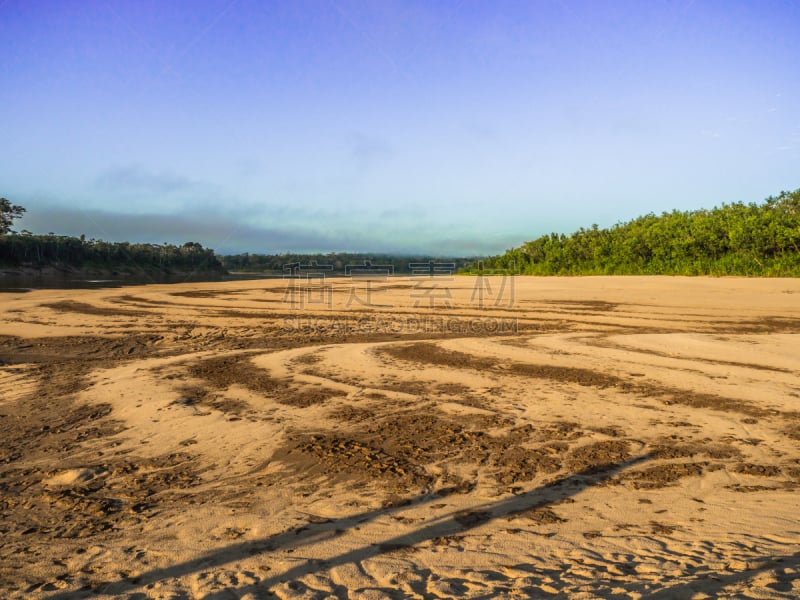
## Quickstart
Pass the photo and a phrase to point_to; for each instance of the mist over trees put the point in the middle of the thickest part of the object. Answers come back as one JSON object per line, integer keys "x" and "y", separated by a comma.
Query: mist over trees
{"x": 755, "y": 239}
{"x": 27, "y": 250}
{"x": 38, "y": 251}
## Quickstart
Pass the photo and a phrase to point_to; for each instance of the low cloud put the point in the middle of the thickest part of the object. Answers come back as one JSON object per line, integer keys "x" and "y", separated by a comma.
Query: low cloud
{"x": 224, "y": 235}
{"x": 230, "y": 235}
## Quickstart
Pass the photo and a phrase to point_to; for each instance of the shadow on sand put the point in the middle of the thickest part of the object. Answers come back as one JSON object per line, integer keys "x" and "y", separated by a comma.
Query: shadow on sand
{"x": 452, "y": 523}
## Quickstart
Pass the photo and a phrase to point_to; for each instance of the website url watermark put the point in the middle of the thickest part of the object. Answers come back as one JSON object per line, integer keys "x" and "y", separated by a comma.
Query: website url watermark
{"x": 401, "y": 325}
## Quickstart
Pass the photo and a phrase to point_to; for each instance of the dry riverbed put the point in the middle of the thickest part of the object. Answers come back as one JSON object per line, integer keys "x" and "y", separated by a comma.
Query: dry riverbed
{"x": 620, "y": 437}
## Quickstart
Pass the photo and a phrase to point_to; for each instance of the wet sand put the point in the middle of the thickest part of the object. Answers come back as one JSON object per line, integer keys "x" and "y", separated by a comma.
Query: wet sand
{"x": 620, "y": 437}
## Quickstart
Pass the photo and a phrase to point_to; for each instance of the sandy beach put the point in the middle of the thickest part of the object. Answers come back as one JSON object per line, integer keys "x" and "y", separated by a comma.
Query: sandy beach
{"x": 597, "y": 437}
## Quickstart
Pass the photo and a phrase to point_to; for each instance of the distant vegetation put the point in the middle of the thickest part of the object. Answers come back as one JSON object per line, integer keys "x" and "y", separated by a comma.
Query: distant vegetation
{"x": 62, "y": 252}
{"x": 734, "y": 239}
{"x": 339, "y": 261}
{"x": 28, "y": 251}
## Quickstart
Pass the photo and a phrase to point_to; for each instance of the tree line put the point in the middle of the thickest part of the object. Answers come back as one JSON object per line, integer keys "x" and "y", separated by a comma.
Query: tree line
{"x": 339, "y": 262}
{"x": 37, "y": 251}
{"x": 754, "y": 239}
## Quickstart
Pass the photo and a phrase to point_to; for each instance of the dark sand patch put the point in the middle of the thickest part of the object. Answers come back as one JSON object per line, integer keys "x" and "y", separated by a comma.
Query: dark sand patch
{"x": 598, "y": 455}
{"x": 89, "y": 309}
{"x": 605, "y": 343}
{"x": 207, "y": 293}
{"x": 763, "y": 325}
{"x": 424, "y": 441}
{"x": 222, "y": 373}
{"x": 432, "y": 354}
{"x": 757, "y": 470}
{"x": 663, "y": 475}
{"x": 669, "y": 449}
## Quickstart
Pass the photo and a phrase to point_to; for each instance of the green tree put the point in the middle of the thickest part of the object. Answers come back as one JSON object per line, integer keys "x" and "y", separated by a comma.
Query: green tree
{"x": 8, "y": 212}
{"x": 734, "y": 239}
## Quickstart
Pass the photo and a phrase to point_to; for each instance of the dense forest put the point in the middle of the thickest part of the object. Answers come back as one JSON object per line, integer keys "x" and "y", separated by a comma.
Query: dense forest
{"x": 756, "y": 239}
{"x": 339, "y": 262}
{"x": 38, "y": 251}
{"x": 28, "y": 251}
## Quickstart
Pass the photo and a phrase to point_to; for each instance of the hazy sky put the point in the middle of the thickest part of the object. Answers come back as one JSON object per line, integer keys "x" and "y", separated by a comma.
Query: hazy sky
{"x": 332, "y": 125}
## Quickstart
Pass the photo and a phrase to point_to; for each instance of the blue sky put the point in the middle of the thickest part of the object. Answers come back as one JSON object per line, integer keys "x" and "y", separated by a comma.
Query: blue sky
{"x": 331, "y": 125}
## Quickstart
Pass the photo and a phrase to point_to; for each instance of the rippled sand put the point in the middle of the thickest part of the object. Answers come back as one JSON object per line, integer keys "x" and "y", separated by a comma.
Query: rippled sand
{"x": 406, "y": 438}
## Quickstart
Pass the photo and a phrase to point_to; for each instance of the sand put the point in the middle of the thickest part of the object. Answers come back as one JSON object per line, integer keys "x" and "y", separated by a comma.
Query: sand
{"x": 468, "y": 437}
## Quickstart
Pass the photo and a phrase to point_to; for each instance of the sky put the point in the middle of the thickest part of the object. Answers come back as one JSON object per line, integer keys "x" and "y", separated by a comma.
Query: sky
{"x": 454, "y": 128}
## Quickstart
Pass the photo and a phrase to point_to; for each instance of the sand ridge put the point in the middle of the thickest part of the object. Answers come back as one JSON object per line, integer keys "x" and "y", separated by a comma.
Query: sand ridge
{"x": 591, "y": 437}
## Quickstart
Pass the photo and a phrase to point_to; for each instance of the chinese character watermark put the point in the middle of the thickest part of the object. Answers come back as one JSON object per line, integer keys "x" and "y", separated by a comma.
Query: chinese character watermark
{"x": 432, "y": 286}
